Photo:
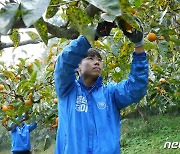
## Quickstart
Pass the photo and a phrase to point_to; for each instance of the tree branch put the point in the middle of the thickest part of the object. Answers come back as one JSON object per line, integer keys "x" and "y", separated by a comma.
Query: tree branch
{"x": 2, "y": 3}
{"x": 62, "y": 32}
{"x": 55, "y": 31}
{"x": 8, "y": 45}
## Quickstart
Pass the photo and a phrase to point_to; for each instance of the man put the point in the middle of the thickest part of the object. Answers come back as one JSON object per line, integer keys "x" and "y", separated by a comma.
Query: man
{"x": 89, "y": 110}
{"x": 21, "y": 135}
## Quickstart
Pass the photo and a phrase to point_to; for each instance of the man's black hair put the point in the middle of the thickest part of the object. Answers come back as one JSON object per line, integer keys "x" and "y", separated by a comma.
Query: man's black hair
{"x": 92, "y": 52}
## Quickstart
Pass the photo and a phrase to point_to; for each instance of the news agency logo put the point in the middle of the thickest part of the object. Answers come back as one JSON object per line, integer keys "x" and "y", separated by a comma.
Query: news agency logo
{"x": 172, "y": 145}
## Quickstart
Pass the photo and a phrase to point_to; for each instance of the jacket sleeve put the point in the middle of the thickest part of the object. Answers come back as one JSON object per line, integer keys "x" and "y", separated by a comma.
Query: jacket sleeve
{"x": 67, "y": 63}
{"x": 32, "y": 126}
{"x": 13, "y": 129}
{"x": 134, "y": 88}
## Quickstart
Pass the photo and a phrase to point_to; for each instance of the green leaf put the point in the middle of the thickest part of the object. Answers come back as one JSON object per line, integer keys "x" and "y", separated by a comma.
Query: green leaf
{"x": 2, "y": 77}
{"x": 169, "y": 32}
{"x": 158, "y": 68}
{"x": 37, "y": 63}
{"x": 14, "y": 120}
{"x": 17, "y": 103}
{"x": 115, "y": 47}
{"x": 118, "y": 34}
{"x": 36, "y": 96}
{"x": 15, "y": 37}
{"x": 33, "y": 36}
{"x": 108, "y": 17}
{"x": 163, "y": 47}
{"x": 33, "y": 10}
{"x": 136, "y": 3}
{"x": 177, "y": 41}
{"x": 1, "y": 51}
{"x": 20, "y": 85}
{"x": 24, "y": 86}
{"x": 22, "y": 61}
{"x": 149, "y": 45}
{"x": 174, "y": 81}
{"x": 109, "y": 6}
{"x": 51, "y": 11}
{"x": 47, "y": 142}
{"x": 47, "y": 91}
{"x": 130, "y": 19}
{"x": 9, "y": 74}
{"x": 33, "y": 76}
{"x": 10, "y": 113}
{"x": 8, "y": 16}
{"x": 82, "y": 22}
{"x": 42, "y": 30}
{"x": 125, "y": 6}
{"x": 22, "y": 109}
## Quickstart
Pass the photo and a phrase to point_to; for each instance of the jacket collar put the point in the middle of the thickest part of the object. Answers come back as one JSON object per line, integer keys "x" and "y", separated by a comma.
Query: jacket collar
{"x": 97, "y": 84}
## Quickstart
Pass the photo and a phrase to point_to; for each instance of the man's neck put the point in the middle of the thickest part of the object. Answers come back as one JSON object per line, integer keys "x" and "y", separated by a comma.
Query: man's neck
{"x": 89, "y": 82}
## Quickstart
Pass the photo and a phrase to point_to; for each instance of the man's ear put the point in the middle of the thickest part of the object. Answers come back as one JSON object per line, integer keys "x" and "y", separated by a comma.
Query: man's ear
{"x": 78, "y": 70}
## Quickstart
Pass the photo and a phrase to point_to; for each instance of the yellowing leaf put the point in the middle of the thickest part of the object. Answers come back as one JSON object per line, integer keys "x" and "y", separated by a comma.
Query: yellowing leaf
{"x": 15, "y": 37}
{"x": 82, "y": 23}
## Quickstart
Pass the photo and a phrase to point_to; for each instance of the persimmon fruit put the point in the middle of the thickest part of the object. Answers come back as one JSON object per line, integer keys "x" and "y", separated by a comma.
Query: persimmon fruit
{"x": 55, "y": 100}
{"x": 5, "y": 120}
{"x": 30, "y": 95}
{"x": 151, "y": 37}
{"x": 1, "y": 87}
{"x": 57, "y": 120}
{"x": 150, "y": 80}
{"x": 134, "y": 11}
{"x": 29, "y": 65}
{"x": 10, "y": 107}
{"x": 128, "y": 26}
{"x": 157, "y": 88}
{"x": 161, "y": 37}
{"x": 54, "y": 126}
{"x": 162, "y": 80}
{"x": 4, "y": 108}
{"x": 18, "y": 77}
{"x": 28, "y": 102}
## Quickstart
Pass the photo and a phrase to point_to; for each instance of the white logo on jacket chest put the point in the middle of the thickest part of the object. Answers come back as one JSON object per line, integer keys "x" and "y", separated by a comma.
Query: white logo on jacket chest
{"x": 101, "y": 105}
{"x": 81, "y": 104}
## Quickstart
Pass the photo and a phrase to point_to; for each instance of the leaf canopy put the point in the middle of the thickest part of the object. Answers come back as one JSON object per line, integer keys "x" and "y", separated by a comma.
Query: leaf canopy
{"x": 33, "y": 10}
{"x": 8, "y": 16}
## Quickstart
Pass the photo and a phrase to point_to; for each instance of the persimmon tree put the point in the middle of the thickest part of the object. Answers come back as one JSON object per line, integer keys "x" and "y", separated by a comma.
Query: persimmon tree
{"x": 65, "y": 20}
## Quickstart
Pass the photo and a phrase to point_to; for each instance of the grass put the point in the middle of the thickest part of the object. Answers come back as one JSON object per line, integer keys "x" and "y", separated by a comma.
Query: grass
{"x": 140, "y": 137}
{"x": 50, "y": 150}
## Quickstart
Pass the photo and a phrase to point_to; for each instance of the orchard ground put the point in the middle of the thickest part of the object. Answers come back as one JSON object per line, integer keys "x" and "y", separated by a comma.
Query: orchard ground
{"x": 138, "y": 136}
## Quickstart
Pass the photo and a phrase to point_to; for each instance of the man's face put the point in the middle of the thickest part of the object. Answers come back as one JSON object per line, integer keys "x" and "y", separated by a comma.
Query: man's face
{"x": 91, "y": 67}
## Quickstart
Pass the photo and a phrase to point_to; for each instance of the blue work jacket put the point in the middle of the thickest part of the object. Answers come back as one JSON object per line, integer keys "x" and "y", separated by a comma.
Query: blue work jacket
{"x": 21, "y": 137}
{"x": 89, "y": 117}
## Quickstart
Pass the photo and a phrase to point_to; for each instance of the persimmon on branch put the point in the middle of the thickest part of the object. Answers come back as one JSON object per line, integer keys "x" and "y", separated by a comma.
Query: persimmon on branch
{"x": 55, "y": 31}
